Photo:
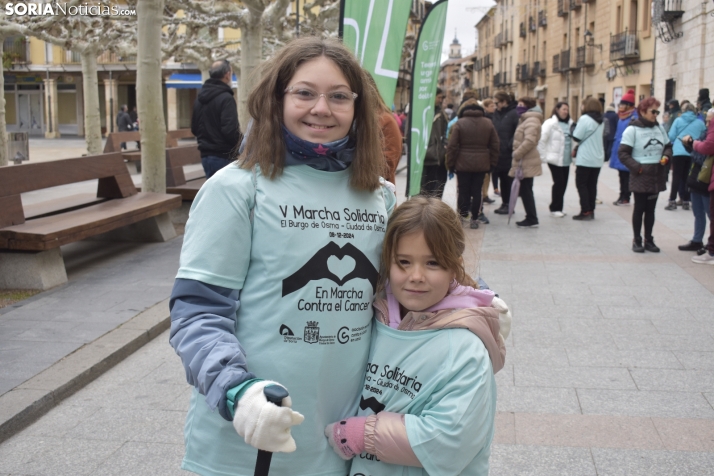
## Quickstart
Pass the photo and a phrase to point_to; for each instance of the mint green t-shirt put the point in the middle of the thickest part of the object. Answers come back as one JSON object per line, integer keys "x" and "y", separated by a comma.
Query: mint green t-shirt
{"x": 591, "y": 152}
{"x": 443, "y": 381}
{"x": 647, "y": 143}
{"x": 306, "y": 270}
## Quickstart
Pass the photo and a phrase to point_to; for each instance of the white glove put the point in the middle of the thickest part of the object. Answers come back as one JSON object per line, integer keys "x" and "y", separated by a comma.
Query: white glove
{"x": 263, "y": 424}
{"x": 504, "y": 316}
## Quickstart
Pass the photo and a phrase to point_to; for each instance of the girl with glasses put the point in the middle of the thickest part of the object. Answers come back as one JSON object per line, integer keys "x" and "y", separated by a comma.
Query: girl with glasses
{"x": 279, "y": 267}
{"x": 645, "y": 150}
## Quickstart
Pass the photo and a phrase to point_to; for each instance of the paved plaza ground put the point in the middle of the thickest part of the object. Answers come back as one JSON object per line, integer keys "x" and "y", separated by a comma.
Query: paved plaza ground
{"x": 609, "y": 368}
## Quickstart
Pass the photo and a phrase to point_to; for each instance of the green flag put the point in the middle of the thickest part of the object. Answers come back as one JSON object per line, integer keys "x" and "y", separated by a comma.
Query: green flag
{"x": 427, "y": 60}
{"x": 374, "y": 30}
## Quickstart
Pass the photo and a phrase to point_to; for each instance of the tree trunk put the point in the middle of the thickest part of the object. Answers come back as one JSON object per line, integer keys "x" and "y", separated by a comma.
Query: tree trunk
{"x": 3, "y": 125}
{"x": 251, "y": 54}
{"x": 149, "y": 96}
{"x": 92, "y": 117}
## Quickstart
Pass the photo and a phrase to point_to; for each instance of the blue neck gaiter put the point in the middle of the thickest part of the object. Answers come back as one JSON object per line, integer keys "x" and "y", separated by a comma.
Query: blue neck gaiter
{"x": 330, "y": 157}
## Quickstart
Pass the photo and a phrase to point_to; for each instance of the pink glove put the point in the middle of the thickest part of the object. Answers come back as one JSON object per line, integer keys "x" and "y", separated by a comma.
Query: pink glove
{"x": 346, "y": 437}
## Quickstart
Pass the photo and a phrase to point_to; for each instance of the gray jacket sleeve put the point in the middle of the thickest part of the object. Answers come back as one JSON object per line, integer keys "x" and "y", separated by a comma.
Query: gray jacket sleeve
{"x": 203, "y": 325}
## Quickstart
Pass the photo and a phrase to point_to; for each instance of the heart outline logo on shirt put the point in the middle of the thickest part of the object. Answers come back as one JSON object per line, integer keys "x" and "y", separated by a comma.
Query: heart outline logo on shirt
{"x": 341, "y": 267}
{"x": 317, "y": 267}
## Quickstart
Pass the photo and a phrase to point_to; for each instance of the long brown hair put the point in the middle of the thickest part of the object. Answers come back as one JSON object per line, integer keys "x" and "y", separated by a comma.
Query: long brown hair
{"x": 442, "y": 231}
{"x": 265, "y": 146}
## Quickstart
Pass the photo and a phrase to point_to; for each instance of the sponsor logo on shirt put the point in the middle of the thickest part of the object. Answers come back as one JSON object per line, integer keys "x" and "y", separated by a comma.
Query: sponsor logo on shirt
{"x": 312, "y": 332}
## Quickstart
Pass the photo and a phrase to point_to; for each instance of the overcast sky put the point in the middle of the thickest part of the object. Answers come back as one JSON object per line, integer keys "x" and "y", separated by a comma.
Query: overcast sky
{"x": 463, "y": 16}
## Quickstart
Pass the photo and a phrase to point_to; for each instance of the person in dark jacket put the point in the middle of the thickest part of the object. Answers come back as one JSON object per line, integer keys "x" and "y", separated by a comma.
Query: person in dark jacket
{"x": 703, "y": 103}
{"x": 645, "y": 150}
{"x": 626, "y": 113}
{"x": 472, "y": 151}
{"x": 124, "y": 122}
{"x": 609, "y": 139}
{"x": 433, "y": 179}
{"x": 673, "y": 112}
{"x": 215, "y": 119}
{"x": 505, "y": 119}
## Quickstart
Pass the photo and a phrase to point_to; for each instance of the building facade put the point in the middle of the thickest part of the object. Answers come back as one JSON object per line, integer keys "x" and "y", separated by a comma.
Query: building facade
{"x": 566, "y": 50}
{"x": 684, "y": 42}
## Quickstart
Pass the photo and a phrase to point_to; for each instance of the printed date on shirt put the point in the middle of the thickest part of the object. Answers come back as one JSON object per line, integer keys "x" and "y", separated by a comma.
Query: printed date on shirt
{"x": 341, "y": 235}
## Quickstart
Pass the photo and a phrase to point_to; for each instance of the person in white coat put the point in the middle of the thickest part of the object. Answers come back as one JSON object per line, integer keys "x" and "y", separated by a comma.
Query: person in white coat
{"x": 555, "y": 150}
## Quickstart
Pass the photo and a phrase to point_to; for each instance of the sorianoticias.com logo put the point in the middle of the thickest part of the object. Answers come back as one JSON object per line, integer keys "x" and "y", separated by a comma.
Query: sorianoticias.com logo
{"x": 56, "y": 8}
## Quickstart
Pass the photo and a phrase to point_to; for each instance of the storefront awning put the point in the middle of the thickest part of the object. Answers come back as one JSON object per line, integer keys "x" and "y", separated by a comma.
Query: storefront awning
{"x": 190, "y": 81}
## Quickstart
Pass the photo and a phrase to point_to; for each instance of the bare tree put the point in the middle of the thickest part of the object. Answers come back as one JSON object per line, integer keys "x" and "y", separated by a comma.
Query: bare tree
{"x": 87, "y": 35}
{"x": 264, "y": 26}
{"x": 149, "y": 96}
{"x": 5, "y": 31}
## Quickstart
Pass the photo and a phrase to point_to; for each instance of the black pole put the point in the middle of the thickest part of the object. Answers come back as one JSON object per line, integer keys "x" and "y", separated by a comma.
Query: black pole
{"x": 411, "y": 95}
{"x": 49, "y": 103}
{"x": 297, "y": 18}
{"x": 341, "y": 28}
{"x": 275, "y": 395}
{"x": 111, "y": 103}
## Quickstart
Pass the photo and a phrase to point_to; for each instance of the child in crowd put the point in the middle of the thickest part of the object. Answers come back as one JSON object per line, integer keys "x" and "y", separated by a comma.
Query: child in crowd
{"x": 429, "y": 397}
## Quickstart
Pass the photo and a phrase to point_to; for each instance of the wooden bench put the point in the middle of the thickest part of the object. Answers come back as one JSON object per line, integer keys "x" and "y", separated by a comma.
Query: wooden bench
{"x": 181, "y": 134}
{"x": 178, "y": 181}
{"x": 30, "y": 236}
{"x": 114, "y": 140}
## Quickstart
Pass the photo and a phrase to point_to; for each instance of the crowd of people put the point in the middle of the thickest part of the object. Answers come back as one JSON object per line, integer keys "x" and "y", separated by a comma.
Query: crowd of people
{"x": 509, "y": 139}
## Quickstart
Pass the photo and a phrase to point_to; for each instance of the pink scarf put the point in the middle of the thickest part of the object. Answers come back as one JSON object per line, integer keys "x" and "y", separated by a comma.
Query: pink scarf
{"x": 459, "y": 297}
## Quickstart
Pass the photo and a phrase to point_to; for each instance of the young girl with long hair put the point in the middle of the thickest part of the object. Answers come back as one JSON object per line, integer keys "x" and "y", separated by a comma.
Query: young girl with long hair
{"x": 429, "y": 395}
{"x": 279, "y": 267}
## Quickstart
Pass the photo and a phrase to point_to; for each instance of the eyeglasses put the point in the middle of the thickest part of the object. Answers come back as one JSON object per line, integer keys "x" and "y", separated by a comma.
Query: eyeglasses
{"x": 655, "y": 112}
{"x": 306, "y": 98}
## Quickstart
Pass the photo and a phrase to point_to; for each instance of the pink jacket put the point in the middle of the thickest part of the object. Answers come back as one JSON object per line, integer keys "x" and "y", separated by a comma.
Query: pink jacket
{"x": 706, "y": 147}
{"x": 385, "y": 434}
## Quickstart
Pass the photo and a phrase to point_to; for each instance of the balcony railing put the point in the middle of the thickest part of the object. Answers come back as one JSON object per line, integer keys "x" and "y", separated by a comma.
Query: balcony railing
{"x": 585, "y": 56}
{"x": 538, "y": 70}
{"x": 522, "y": 72}
{"x": 563, "y": 7}
{"x": 576, "y": 4}
{"x": 500, "y": 79}
{"x": 487, "y": 60}
{"x": 498, "y": 41}
{"x": 564, "y": 61}
{"x": 522, "y": 30}
{"x": 531, "y": 24}
{"x": 623, "y": 46}
{"x": 672, "y": 9}
{"x": 542, "y": 19}
{"x": 15, "y": 51}
{"x": 556, "y": 63}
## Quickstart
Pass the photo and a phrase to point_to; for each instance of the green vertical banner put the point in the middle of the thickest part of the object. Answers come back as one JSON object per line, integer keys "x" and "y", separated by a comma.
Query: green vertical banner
{"x": 427, "y": 61}
{"x": 374, "y": 30}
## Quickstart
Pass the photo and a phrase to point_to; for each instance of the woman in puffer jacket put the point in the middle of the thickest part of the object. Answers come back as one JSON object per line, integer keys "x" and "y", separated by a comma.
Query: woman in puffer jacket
{"x": 685, "y": 125}
{"x": 472, "y": 152}
{"x": 590, "y": 156}
{"x": 554, "y": 149}
{"x": 525, "y": 155}
{"x": 645, "y": 150}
